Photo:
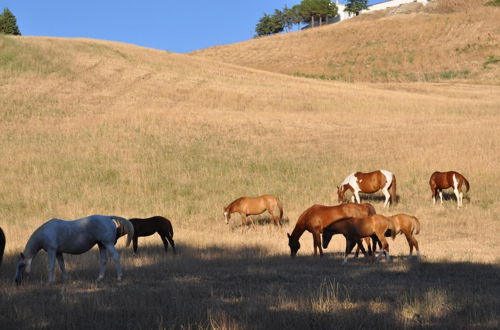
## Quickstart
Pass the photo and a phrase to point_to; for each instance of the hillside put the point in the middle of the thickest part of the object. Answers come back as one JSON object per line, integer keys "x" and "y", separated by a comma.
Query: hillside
{"x": 445, "y": 41}
{"x": 95, "y": 127}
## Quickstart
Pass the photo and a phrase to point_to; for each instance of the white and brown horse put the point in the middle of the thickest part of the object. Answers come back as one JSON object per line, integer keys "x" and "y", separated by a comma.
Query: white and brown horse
{"x": 445, "y": 180}
{"x": 369, "y": 183}
{"x": 246, "y": 206}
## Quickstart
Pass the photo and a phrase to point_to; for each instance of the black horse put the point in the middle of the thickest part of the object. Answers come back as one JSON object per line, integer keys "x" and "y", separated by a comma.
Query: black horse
{"x": 149, "y": 226}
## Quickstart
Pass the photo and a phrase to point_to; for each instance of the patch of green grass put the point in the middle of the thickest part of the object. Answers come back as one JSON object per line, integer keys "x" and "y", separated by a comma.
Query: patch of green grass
{"x": 451, "y": 74}
{"x": 491, "y": 60}
{"x": 495, "y": 3}
{"x": 316, "y": 76}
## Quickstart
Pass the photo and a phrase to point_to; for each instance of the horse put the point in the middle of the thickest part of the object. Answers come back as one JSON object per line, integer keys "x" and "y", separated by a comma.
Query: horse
{"x": 445, "y": 180}
{"x": 149, "y": 226}
{"x": 369, "y": 183}
{"x": 403, "y": 223}
{"x": 317, "y": 217}
{"x": 58, "y": 236}
{"x": 354, "y": 229}
{"x": 246, "y": 206}
{"x": 2, "y": 244}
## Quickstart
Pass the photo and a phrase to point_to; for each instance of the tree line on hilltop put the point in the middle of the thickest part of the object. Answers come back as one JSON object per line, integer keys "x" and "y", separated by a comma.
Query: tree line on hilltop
{"x": 8, "y": 23}
{"x": 311, "y": 12}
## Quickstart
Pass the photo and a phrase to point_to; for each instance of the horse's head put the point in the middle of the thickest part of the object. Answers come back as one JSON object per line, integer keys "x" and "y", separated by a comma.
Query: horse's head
{"x": 23, "y": 267}
{"x": 294, "y": 245}
{"x": 341, "y": 192}
{"x": 227, "y": 215}
{"x": 327, "y": 237}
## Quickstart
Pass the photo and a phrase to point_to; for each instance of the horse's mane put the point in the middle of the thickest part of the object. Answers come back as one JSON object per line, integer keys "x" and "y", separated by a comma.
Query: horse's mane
{"x": 234, "y": 203}
{"x": 127, "y": 226}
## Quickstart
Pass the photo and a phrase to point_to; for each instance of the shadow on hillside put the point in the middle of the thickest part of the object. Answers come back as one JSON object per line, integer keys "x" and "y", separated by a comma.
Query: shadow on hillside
{"x": 243, "y": 287}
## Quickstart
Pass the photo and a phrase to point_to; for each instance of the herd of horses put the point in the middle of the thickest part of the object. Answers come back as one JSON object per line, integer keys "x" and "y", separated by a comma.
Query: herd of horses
{"x": 356, "y": 221}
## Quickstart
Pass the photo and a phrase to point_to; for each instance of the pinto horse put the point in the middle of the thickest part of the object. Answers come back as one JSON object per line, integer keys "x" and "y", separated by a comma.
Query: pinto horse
{"x": 369, "y": 183}
{"x": 354, "y": 229}
{"x": 2, "y": 244}
{"x": 445, "y": 180}
{"x": 317, "y": 217}
{"x": 75, "y": 237}
{"x": 246, "y": 206}
{"x": 149, "y": 226}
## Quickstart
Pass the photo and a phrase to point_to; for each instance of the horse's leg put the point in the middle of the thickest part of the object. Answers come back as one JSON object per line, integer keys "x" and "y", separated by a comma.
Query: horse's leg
{"x": 60, "y": 260}
{"x": 135, "y": 242}
{"x": 171, "y": 240}
{"x": 441, "y": 195}
{"x": 356, "y": 195}
{"x": 385, "y": 247}
{"x": 385, "y": 191}
{"x": 457, "y": 195}
{"x": 51, "y": 264}
{"x": 349, "y": 245}
{"x": 116, "y": 258}
{"x": 165, "y": 243}
{"x": 360, "y": 246}
{"x": 103, "y": 261}
{"x": 433, "y": 191}
{"x": 317, "y": 243}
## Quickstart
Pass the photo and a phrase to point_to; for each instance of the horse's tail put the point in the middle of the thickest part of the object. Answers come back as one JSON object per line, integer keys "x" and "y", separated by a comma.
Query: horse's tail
{"x": 127, "y": 227}
{"x": 466, "y": 183}
{"x": 392, "y": 190}
{"x": 280, "y": 206}
{"x": 416, "y": 225}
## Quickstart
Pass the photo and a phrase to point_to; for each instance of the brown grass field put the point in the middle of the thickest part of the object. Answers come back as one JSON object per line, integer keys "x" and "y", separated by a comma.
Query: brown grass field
{"x": 99, "y": 127}
{"x": 448, "y": 40}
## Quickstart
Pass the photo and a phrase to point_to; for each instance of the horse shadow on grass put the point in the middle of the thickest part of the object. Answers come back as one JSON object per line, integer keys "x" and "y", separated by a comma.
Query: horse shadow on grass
{"x": 251, "y": 288}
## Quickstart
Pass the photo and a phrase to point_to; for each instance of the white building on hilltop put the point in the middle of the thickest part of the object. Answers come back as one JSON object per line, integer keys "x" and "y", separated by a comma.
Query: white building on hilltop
{"x": 343, "y": 15}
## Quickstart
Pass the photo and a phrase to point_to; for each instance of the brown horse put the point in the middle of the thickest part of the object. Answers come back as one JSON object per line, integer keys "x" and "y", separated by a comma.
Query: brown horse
{"x": 317, "y": 217}
{"x": 246, "y": 206}
{"x": 445, "y": 180}
{"x": 2, "y": 244}
{"x": 354, "y": 229}
{"x": 149, "y": 226}
{"x": 369, "y": 183}
{"x": 404, "y": 224}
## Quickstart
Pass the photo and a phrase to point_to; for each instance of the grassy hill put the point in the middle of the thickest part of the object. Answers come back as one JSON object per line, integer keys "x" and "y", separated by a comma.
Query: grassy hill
{"x": 101, "y": 127}
{"x": 446, "y": 41}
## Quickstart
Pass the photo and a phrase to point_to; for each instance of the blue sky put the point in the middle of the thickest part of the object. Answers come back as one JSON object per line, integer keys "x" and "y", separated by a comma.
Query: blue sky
{"x": 175, "y": 25}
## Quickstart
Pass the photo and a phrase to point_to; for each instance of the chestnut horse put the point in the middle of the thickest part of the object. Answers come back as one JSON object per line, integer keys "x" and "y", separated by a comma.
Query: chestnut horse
{"x": 369, "y": 183}
{"x": 317, "y": 217}
{"x": 403, "y": 223}
{"x": 354, "y": 229}
{"x": 149, "y": 226}
{"x": 246, "y": 206}
{"x": 2, "y": 244}
{"x": 445, "y": 180}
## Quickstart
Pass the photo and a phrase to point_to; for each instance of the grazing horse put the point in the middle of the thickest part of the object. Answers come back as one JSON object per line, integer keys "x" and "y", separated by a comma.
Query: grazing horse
{"x": 354, "y": 229}
{"x": 2, "y": 244}
{"x": 369, "y": 183}
{"x": 404, "y": 224}
{"x": 149, "y": 226}
{"x": 75, "y": 237}
{"x": 317, "y": 217}
{"x": 246, "y": 206}
{"x": 445, "y": 180}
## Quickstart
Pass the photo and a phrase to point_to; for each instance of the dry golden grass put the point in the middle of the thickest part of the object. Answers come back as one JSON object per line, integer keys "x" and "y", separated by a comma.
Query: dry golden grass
{"x": 439, "y": 43}
{"x": 98, "y": 127}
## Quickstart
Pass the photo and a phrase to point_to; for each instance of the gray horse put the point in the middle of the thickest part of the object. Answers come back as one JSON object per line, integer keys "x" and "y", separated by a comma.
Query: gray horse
{"x": 75, "y": 237}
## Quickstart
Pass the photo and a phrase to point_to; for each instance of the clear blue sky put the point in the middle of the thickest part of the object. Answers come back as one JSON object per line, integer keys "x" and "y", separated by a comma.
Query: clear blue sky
{"x": 174, "y": 25}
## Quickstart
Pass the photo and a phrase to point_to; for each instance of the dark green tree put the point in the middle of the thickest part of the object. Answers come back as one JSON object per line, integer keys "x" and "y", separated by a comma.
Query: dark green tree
{"x": 297, "y": 18}
{"x": 356, "y": 6}
{"x": 288, "y": 18}
{"x": 317, "y": 9}
{"x": 8, "y": 24}
{"x": 269, "y": 24}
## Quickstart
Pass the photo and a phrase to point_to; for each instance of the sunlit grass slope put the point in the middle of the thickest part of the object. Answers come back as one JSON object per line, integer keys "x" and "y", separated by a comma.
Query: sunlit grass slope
{"x": 446, "y": 41}
{"x": 100, "y": 127}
